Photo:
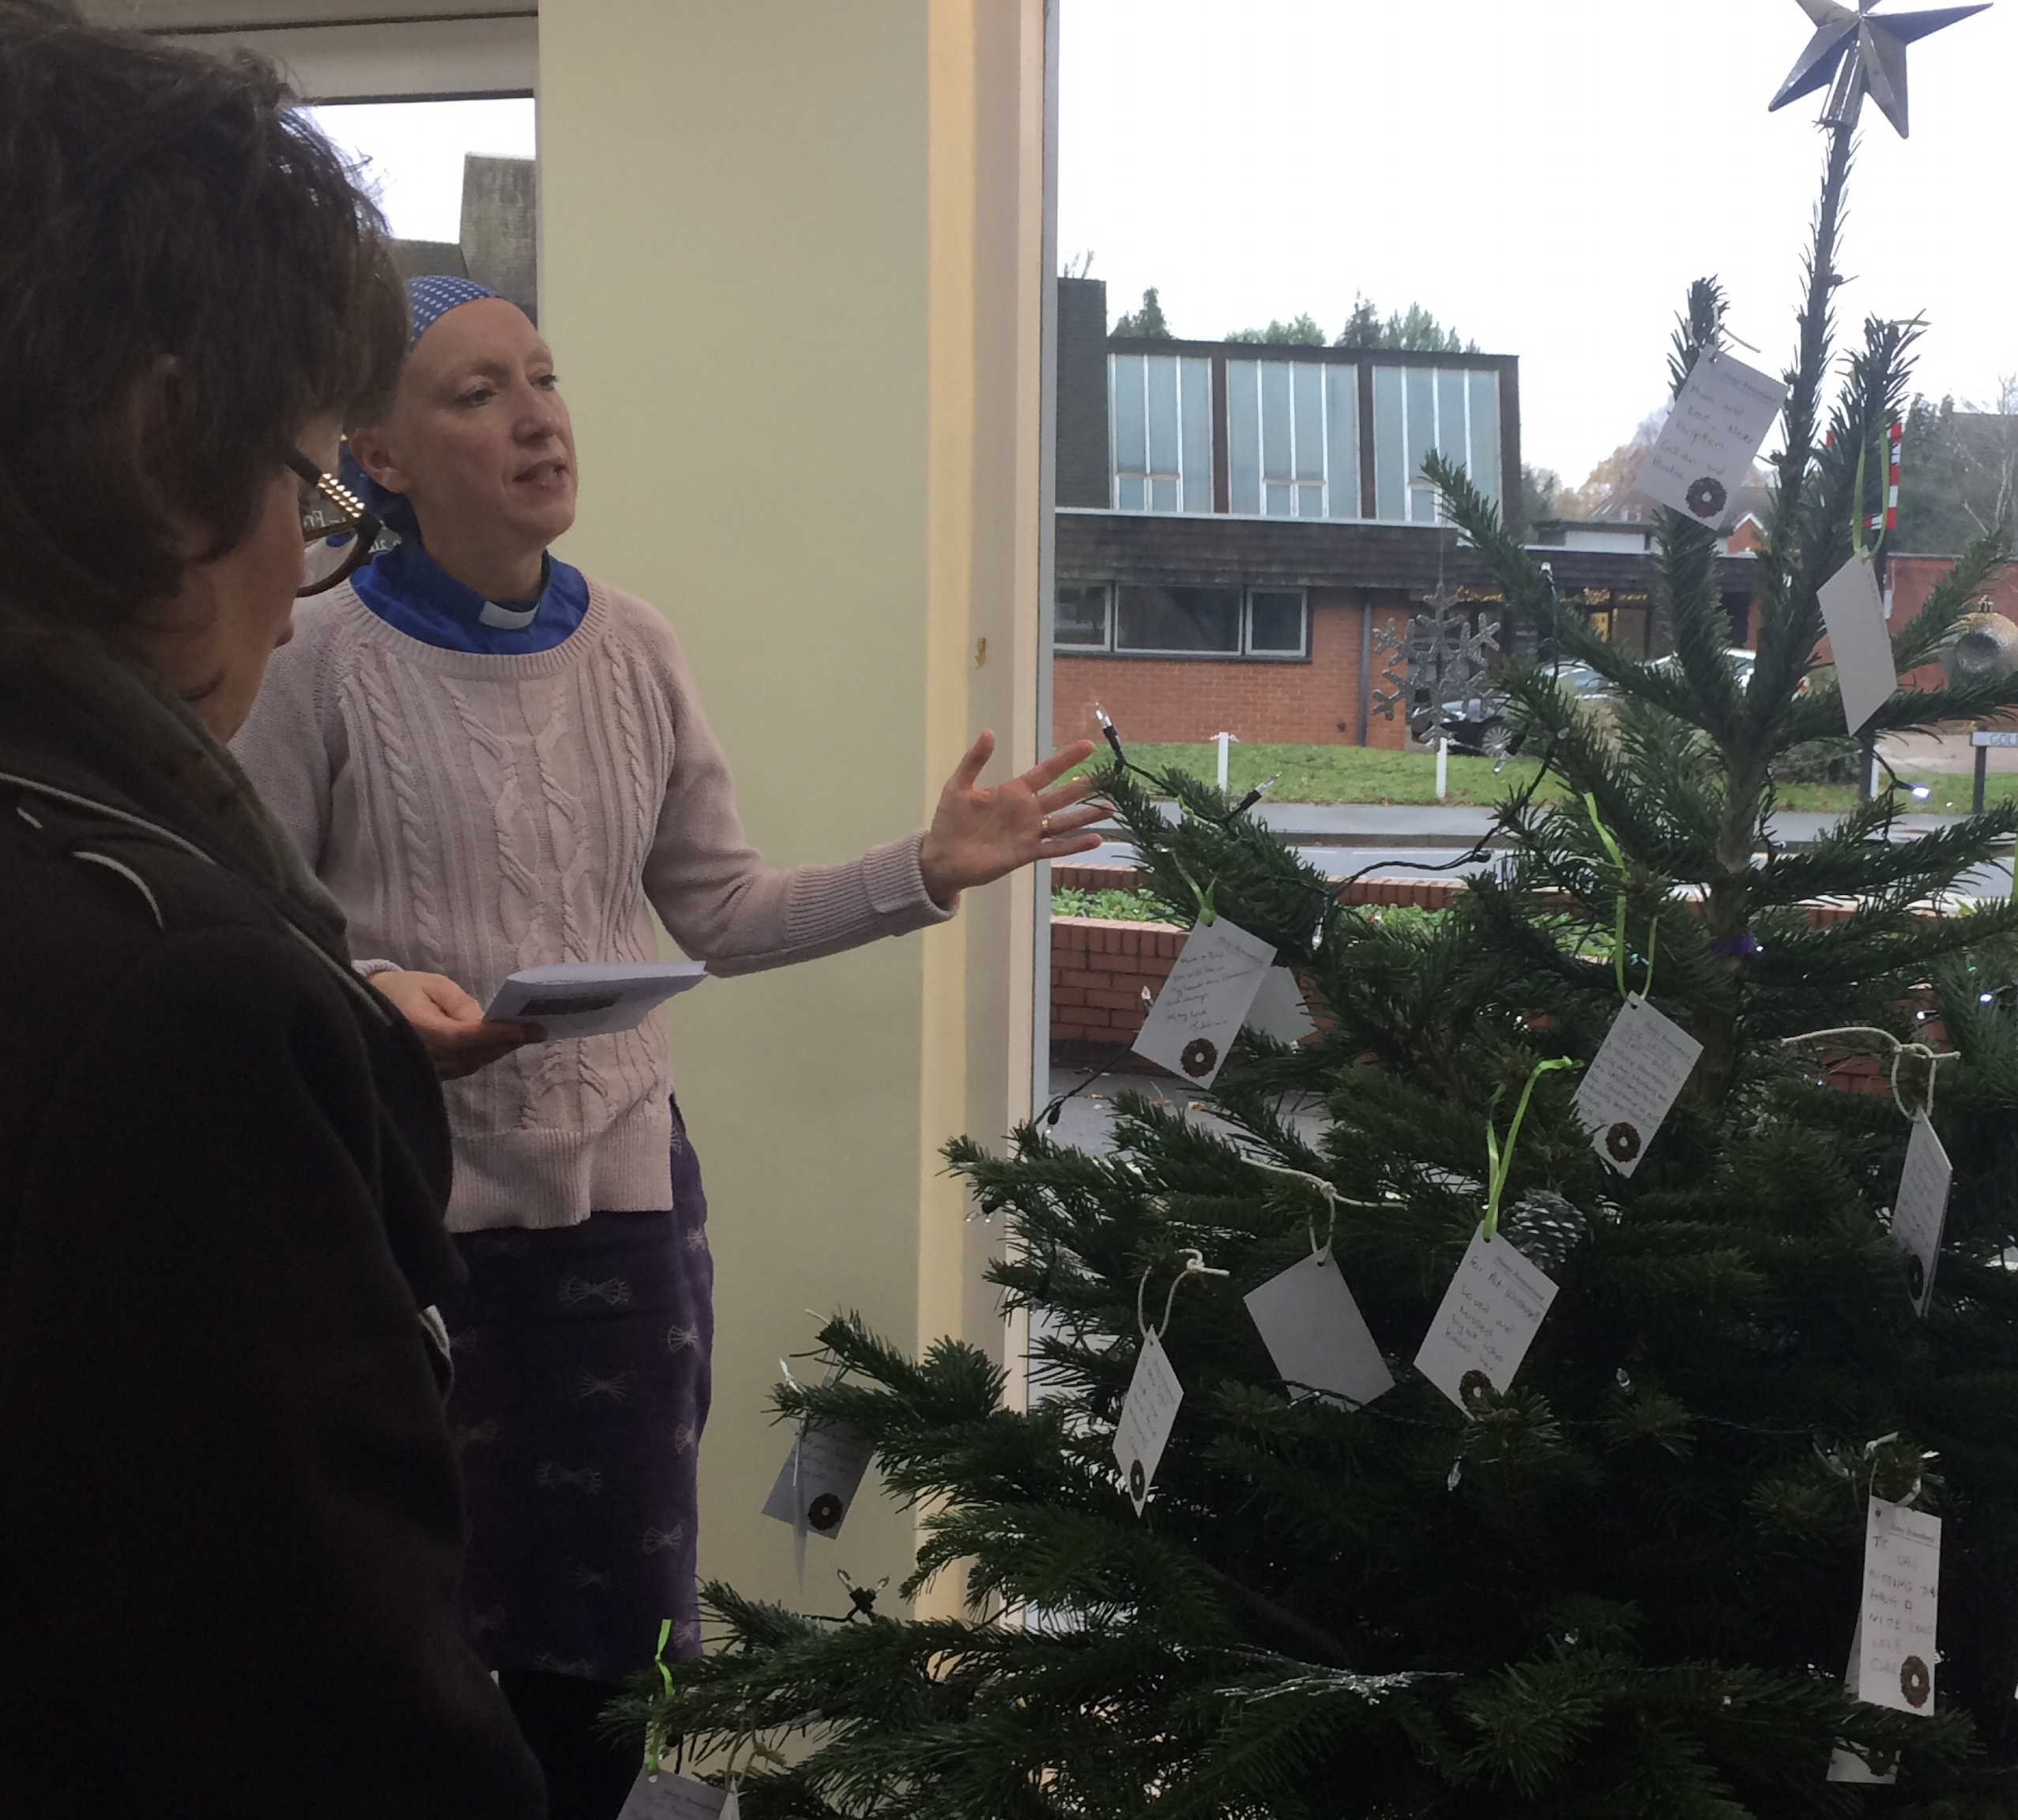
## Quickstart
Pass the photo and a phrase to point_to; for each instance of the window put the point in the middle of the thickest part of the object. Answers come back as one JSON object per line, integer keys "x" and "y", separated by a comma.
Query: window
{"x": 1453, "y": 410}
{"x": 1161, "y": 406}
{"x": 1177, "y": 620}
{"x": 1081, "y": 615}
{"x": 1139, "y": 620}
{"x": 1292, "y": 438}
{"x": 1275, "y": 623}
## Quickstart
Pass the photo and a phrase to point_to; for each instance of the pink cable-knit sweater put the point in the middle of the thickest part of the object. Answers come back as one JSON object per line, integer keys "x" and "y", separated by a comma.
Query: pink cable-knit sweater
{"x": 474, "y": 815}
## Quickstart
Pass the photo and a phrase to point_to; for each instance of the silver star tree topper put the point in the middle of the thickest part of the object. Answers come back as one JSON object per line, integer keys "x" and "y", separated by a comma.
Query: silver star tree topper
{"x": 1863, "y": 53}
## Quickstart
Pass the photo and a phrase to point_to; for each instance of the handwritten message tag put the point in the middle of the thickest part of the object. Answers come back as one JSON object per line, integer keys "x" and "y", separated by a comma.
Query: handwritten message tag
{"x": 1704, "y": 454}
{"x": 1847, "y": 1765}
{"x": 1902, "y": 1588}
{"x": 819, "y": 1480}
{"x": 1147, "y": 1417}
{"x": 1632, "y": 1082}
{"x": 1489, "y": 1317}
{"x": 1278, "y": 1009}
{"x": 1203, "y": 1003}
{"x": 666, "y": 1796}
{"x": 1854, "y": 610}
{"x": 1315, "y": 1332}
{"x": 1920, "y": 1210}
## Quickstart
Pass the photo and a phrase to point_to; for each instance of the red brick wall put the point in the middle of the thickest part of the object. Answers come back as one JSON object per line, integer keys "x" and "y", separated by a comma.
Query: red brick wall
{"x": 1913, "y": 578}
{"x": 1168, "y": 700}
{"x": 1098, "y": 970}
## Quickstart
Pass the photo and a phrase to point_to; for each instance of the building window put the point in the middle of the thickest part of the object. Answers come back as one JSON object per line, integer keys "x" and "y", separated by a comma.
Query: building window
{"x": 1416, "y": 409}
{"x": 1177, "y": 620}
{"x": 1137, "y": 620}
{"x": 1162, "y": 419}
{"x": 1292, "y": 438}
{"x": 1081, "y": 621}
{"x": 1278, "y": 625}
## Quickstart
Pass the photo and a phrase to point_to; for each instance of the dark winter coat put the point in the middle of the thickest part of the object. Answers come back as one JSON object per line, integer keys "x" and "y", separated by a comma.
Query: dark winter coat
{"x": 230, "y": 1525}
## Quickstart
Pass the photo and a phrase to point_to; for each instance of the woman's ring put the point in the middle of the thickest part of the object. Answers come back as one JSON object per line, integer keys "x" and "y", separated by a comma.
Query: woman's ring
{"x": 1044, "y": 828}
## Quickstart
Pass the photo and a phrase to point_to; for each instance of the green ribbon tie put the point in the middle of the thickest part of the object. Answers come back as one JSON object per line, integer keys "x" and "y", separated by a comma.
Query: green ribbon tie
{"x": 1499, "y": 1162}
{"x": 1206, "y": 914}
{"x": 1618, "y": 913}
{"x": 655, "y": 1730}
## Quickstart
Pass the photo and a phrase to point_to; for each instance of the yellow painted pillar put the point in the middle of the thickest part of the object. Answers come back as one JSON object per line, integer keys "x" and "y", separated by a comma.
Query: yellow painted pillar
{"x": 792, "y": 272}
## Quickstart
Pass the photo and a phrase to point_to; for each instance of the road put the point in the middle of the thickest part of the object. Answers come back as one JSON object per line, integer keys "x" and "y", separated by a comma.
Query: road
{"x": 1341, "y": 838}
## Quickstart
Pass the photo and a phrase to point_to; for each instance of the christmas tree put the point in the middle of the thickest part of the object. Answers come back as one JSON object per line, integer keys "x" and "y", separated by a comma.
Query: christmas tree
{"x": 1622, "y": 1579}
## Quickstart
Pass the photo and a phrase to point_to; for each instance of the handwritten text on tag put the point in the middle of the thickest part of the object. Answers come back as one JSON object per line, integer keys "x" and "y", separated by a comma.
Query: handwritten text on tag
{"x": 1203, "y": 1003}
{"x": 1854, "y": 610}
{"x": 1633, "y": 1081}
{"x": 1902, "y": 1588}
{"x": 1146, "y": 1419}
{"x": 1315, "y": 1332}
{"x": 1489, "y": 1317}
{"x": 830, "y": 1464}
{"x": 1704, "y": 453}
{"x": 1920, "y": 1209}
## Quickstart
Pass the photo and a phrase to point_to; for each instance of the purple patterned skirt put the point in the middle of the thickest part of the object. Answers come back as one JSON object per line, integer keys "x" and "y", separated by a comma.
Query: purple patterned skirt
{"x": 582, "y": 1382}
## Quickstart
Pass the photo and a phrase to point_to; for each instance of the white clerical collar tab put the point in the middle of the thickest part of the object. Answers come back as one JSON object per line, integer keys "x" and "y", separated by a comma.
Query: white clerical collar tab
{"x": 503, "y": 619}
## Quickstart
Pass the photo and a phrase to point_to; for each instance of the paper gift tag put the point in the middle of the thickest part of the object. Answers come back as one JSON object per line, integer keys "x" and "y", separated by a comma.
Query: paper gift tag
{"x": 1489, "y": 1317}
{"x": 819, "y": 1480}
{"x": 1203, "y": 1003}
{"x": 1315, "y": 1332}
{"x": 1146, "y": 1419}
{"x": 1704, "y": 454}
{"x": 1902, "y": 1586}
{"x": 666, "y": 1796}
{"x": 1632, "y": 1082}
{"x": 1845, "y": 1764}
{"x": 1920, "y": 1209}
{"x": 1854, "y": 610}
{"x": 1278, "y": 1009}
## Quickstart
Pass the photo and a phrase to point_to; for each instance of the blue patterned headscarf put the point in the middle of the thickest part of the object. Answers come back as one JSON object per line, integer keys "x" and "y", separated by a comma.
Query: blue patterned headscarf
{"x": 428, "y": 299}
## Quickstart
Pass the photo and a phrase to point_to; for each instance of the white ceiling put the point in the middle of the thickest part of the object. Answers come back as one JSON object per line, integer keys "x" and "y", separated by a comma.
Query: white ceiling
{"x": 361, "y": 50}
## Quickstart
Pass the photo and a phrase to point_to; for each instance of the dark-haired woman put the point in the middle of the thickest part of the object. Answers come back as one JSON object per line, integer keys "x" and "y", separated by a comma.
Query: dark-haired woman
{"x": 229, "y": 1518}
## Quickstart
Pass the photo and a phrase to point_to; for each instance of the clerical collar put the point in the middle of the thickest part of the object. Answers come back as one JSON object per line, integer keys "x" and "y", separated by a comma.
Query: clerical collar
{"x": 513, "y": 615}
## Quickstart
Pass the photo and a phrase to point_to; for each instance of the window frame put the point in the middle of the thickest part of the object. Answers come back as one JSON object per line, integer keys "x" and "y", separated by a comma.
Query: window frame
{"x": 1188, "y": 482}
{"x": 1246, "y": 653}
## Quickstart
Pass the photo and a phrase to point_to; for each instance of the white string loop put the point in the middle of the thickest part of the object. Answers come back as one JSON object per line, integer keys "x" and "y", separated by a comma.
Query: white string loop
{"x": 1900, "y": 1052}
{"x": 1194, "y": 1265}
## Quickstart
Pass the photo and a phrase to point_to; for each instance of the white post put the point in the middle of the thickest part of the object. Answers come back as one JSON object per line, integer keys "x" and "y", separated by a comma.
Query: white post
{"x": 1224, "y": 740}
{"x": 1443, "y": 767}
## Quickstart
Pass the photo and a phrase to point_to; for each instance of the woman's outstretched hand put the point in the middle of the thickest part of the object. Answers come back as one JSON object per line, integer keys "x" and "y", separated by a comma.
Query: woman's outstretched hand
{"x": 450, "y": 1024}
{"x": 979, "y": 834}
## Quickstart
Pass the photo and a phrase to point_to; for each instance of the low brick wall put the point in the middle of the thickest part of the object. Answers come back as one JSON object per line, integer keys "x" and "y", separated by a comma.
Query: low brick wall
{"x": 1099, "y": 969}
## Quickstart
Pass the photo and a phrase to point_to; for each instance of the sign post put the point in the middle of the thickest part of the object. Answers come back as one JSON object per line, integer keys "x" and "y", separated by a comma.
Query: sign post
{"x": 1983, "y": 739}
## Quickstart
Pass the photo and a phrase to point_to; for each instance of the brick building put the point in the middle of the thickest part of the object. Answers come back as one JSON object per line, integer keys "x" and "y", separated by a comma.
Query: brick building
{"x": 1241, "y": 530}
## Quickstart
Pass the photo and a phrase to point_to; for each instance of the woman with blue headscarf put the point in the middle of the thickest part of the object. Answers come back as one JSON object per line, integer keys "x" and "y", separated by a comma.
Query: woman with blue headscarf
{"x": 493, "y": 762}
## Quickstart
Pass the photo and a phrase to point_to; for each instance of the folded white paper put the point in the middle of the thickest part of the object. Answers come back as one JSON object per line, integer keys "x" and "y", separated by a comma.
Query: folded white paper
{"x": 1205, "y": 1001}
{"x": 819, "y": 1480}
{"x": 1704, "y": 453}
{"x": 592, "y": 997}
{"x": 1278, "y": 1009}
{"x": 1632, "y": 1080}
{"x": 1488, "y": 1318}
{"x": 666, "y": 1796}
{"x": 1315, "y": 1332}
{"x": 1147, "y": 1417}
{"x": 1896, "y": 1655}
{"x": 1919, "y": 1209}
{"x": 1854, "y": 610}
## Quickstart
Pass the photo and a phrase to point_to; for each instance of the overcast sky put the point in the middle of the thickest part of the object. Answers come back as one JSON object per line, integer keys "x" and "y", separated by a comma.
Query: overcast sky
{"x": 1546, "y": 174}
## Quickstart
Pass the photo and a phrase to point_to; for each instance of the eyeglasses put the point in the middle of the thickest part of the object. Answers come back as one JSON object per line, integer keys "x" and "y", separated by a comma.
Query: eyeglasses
{"x": 337, "y": 528}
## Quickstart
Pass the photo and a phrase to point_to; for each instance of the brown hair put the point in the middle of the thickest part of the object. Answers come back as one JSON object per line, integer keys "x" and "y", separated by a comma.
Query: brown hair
{"x": 188, "y": 275}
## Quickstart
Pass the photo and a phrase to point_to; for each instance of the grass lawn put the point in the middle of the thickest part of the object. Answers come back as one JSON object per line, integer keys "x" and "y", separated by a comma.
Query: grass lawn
{"x": 1362, "y": 774}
